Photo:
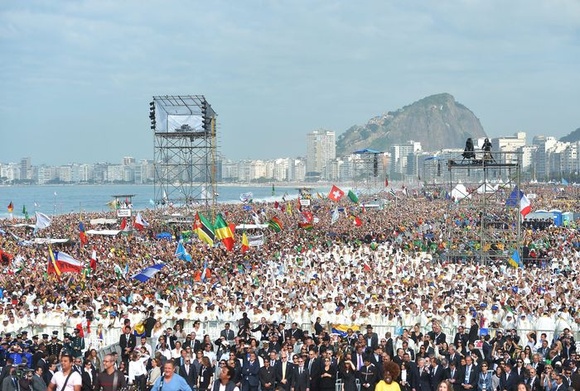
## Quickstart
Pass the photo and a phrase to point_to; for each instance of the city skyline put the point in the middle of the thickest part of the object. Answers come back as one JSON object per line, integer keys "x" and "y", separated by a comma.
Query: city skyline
{"x": 80, "y": 75}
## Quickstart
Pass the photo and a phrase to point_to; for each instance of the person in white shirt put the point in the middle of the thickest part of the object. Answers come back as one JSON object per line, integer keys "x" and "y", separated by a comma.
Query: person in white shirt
{"x": 137, "y": 371}
{"x": 66, "y": 379}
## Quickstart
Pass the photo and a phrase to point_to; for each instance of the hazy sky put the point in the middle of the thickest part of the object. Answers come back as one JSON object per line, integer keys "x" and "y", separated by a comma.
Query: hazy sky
{"x": 76, "y": 77}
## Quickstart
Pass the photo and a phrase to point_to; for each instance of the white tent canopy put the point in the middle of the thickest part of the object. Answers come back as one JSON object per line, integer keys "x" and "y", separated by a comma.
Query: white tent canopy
{"x": 460, "y": 192}
{"x": 105, "y": 232}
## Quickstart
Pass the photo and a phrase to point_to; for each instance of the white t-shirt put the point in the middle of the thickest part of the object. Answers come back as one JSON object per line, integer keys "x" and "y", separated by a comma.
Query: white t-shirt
{"x": 58, "y": 378}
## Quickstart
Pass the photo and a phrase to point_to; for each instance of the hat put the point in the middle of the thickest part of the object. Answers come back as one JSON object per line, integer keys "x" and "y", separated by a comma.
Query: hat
{"x": 44, "y": 336}
{"x": 369, "y": 327}
{"x": 55, "y": 334}
{"x": 494, "y": 307}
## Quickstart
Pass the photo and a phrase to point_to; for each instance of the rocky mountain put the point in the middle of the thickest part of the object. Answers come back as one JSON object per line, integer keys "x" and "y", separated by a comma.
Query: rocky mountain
{"x": 572, "y": 137}
{"x": 437, "y": 121}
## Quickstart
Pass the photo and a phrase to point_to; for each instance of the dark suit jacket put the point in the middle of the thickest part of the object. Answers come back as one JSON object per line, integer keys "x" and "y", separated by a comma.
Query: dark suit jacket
{"x": 535, "y": 384}
{"x": 267, "y": 375}
{"x": 88, "y": 383}
{"x": 38, "y": 383}
{"x": 289, "y": 375}
{"x": 453, "y": 375}
{"x": 389, "y": 348}
{"x": 127, "y": 342}
{"x": 368, "y": 375}
{"x": 300, "y": 381}
{"x": 371, "y": 340}
{"x": 250, "y": 373}
{"x": 423, "y": 381}
{"x": 437, "y": 376}
{"x": 227, "y": 334}
{"x": 509, "y": 384}
{"x": 191, "y": 379}
{"x": 473, "y": 374}
{"x": 296, "y": 333}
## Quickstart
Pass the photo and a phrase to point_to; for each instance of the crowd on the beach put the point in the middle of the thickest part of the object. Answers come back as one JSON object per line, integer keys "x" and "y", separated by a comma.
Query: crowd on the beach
{"x": 385, "y": 267}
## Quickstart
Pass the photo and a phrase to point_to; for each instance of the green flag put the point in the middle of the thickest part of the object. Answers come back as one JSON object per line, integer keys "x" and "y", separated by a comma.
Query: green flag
{"x": 352, "y": 196}
{"x": 25, "y": 212}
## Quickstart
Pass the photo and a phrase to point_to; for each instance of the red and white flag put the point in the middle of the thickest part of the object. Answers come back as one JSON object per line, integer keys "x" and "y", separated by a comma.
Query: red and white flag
{"x": 525, "y": 206}
{"x": 335, "y": 193}
{"x": 140, "y": 222}
{"x": 93, "y": 260}
{"x": 60, "y": 262}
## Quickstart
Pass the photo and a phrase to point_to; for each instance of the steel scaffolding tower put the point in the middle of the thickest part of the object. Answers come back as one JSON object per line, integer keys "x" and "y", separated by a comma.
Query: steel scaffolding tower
{"x": 481, "y": 227}
{"x": 185, "y": 150}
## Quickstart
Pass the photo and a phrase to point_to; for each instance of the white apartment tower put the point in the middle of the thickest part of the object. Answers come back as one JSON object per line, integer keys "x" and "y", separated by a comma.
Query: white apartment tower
{"x": 320, "y": 152}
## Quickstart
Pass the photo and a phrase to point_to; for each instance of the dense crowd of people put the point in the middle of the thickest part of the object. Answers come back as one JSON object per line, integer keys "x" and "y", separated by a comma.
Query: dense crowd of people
{"x": 291, "y": 296}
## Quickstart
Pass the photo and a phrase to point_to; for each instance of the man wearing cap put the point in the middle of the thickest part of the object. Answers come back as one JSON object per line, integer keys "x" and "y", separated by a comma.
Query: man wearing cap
{"x": 77, "y": 344}
{"x": 55, "y": 346}
{"x": 371, "y": 338}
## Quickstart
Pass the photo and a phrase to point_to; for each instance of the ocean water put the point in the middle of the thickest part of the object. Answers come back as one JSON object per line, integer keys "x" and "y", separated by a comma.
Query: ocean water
{"x": 59, "y": 199}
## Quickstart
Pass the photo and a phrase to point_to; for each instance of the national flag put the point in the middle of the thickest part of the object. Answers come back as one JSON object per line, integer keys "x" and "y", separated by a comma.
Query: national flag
{"x": 392, "y": 192}
{"x": 113, "y": 204}
{"x": 42, "y": 221}
{"x": 335, "y": 216}
{"x": 203, "y": 229}
{"x": 147, "y": 273}
{"x": 307, "y": 216}
{"x": 245, "y": 242}
{"x": 275, "y": 224}
{"x": 273, "y": 190}
{"x": 386, "y": 182}
{"x": 123, "y": 224}
{"x": 10, "y": 207}
{"x": 118, "y": 271}
{"x": 247, "y": 197}
{"x": 25, "y": 212}
{"x": 306, "y": 226}
{"x": 514, "y": 197}
{"x": 352, "y": 196}
{"x": 256, "y": 218}
{"x": 515, "y": 260}
{"x": 289, "y": 208}
{"x": 204, "y": 273}
{"x": 140, "y": 222}
{"x": 335, "y": 193}
{"x": 93, "y": 260}
{"x": 181, "y": 252}
{"x": 84, "y": 328}
{"x": 60, "y": 262}
{"x": 564, "y": 182}
{"x": 223, "y": 232}
{"x": 357, "y": 221}
{"x": 82, "y": 234}
{"x": 525, "y": 206}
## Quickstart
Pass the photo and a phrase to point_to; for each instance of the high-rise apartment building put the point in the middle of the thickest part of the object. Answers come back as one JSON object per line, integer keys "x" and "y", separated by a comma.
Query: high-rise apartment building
{"x": 320, "y": 153}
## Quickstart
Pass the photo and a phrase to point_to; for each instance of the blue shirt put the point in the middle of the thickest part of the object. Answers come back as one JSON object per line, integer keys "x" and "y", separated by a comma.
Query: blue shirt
{"x": 177, "y": 383}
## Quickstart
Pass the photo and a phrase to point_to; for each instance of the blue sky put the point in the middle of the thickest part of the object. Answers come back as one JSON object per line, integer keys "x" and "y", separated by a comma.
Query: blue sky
{"x": 76, "y": 77}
